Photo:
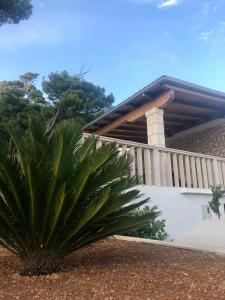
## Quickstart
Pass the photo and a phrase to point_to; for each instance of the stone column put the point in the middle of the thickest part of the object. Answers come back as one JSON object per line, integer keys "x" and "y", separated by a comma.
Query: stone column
{"x": 155, "y": 127}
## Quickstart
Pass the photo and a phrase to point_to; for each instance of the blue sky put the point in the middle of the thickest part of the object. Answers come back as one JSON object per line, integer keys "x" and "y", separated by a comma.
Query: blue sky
{"x": 126, "y": 43}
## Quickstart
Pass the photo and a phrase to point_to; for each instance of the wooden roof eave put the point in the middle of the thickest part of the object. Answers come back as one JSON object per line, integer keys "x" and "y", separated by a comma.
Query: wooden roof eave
{"x": 161, "y": 101}
{"x": 195, "y": 94}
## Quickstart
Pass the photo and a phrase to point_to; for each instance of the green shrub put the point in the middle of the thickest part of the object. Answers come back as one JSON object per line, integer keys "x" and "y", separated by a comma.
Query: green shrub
{"x": 154, "y": 230}
{"x": 214, "y": 204}
{"x": 58, "y": 194}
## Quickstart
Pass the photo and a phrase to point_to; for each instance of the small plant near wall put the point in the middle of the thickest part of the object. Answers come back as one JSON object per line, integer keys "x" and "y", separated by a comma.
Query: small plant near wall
{"x": 154, "y": 230}
{"x": 215, "y": 202}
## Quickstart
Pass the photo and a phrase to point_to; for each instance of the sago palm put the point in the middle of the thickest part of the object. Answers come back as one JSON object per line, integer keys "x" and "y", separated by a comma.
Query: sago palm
{"x": 59, "y": 194}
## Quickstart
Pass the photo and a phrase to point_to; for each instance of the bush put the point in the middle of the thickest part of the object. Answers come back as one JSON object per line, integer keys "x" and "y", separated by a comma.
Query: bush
{"x": 214, "y": 204}
{"x": 58, "y": 194}
{"x": 154, "y": 230}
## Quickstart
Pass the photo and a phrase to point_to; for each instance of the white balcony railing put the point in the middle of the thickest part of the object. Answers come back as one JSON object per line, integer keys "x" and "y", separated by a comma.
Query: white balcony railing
{"x": 171, "y": 167}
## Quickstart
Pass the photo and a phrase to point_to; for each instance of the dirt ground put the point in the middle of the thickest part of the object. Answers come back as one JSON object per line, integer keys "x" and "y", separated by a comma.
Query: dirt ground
{"x": 120, "y": 270}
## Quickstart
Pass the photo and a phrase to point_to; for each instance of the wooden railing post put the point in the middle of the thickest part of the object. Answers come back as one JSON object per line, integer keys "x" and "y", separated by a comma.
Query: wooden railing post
{"x": 147, "y": 164}
{"x": 140, "y": 164}
{"x": 156, "y": 167}
{"x": 209, "y": 171}
{"x": 188, "y": 170}
{"x": 181, "y": 169}
{"x": 133, "y": 169}
{"x": 193, "y": 172}
{"x": 204, "y": 174}
{"x": 223, "y": 172}
{"x": 169, "y": 179}
{"x": 175, "y": 170}
{"x": 216, "y": 178}
{"x": 199, "y": 172}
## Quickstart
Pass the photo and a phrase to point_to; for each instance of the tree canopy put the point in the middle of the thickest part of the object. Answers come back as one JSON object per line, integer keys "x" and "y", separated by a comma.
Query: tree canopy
{"x": 17, "y": 104}
{"x": 76, "y": 97}
{"x": 13, "y": 11}
{"x": 63, "y": 96}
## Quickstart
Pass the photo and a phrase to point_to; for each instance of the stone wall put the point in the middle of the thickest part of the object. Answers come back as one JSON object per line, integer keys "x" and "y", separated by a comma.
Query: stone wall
{"x": 209, "y": 141}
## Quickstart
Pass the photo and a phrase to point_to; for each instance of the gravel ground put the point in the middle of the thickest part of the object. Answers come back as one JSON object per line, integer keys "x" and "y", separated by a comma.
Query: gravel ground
{"x": 120, "y": 270}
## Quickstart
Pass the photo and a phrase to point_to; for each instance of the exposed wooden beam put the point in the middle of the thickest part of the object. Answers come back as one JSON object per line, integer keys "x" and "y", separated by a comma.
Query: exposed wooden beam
{"x": 125, "y": 137}
{"x": 159, "y": 102}
{"x": 103, "y": 121}
{"x": 142, "y": 122}
{"x": 197, "y": 104}
{"x": 173, "y": 116}
{"x": 128, "y": 107}
{"x": 188, "y": 110}
{"x": 132, "y": 126}
{"x": 187, "y": 93}
{"x": 209, "y": 118}
{"x": 92, "y": 127}
{"x": 175, "y": 123}
{"x": 218, "y": 115}
{"x": 128, "y": 132}
{"x": 145, "y": 95}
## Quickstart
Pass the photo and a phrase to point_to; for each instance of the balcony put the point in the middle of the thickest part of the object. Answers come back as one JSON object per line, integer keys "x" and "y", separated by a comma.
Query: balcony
{"x": 171, "y": 167}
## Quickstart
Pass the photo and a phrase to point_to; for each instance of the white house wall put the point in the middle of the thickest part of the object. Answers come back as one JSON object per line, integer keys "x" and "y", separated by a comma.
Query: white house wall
{"x": 181, "y": 208}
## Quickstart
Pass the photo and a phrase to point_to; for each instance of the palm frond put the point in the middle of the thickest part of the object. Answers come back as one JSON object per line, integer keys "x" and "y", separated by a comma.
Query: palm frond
{"x": 61, "y": 193}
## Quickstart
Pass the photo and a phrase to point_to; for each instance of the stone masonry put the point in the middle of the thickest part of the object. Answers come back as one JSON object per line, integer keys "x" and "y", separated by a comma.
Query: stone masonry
{"x": 209, "y": 141}
{"x": 155, "y": 127}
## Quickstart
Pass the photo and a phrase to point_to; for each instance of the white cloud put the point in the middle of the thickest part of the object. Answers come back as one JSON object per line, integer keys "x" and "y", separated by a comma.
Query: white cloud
{"x": 159, "y": 3}
{"x": 206, "y": 36}
{"x": 167, "y": 3}
{"x": 206, "y": 8}
{"x": 209, "y": 7}
{"x": 215, "y": 36}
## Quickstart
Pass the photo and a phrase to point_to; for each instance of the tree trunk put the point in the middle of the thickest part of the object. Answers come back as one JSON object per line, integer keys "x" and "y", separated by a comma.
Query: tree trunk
{"x": 52, "y": 122}
{"x": 40, "y": 263}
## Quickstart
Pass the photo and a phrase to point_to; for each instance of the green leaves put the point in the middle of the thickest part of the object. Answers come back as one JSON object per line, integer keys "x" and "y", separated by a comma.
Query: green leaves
{"x": 13, "y": 11}
{"x": 154, "y": 230}
{"x": 214, "y": 204}
{"x": 58, "y": 194}
{"x": 76, "y": 97}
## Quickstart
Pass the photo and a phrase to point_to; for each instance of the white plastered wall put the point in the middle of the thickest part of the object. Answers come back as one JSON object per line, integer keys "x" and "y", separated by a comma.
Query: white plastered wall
{"x": 180, "y": 207}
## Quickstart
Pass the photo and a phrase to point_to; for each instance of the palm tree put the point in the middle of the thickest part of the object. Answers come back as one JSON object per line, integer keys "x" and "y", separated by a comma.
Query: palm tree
{"x": 59, "y": 194}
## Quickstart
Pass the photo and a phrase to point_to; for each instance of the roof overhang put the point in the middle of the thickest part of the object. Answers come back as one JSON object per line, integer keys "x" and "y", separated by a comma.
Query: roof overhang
{"x": 191, "y": 104}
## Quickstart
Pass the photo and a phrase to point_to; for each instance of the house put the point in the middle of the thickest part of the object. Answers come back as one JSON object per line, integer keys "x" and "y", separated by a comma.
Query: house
{"x": 175, "y": 131}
